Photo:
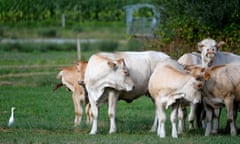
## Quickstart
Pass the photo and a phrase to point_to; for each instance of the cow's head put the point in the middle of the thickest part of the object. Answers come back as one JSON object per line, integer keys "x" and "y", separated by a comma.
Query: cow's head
{"x": 199, "y": 75}
{"x": 194, "y": 70}
{"x": 198, "y": 72}
{"x": 208, "y": 49}
{"x": 119, "y": 77}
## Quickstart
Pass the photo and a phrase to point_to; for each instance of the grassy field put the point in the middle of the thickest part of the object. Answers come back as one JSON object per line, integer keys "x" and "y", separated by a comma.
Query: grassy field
{"x": 44, "y": 116}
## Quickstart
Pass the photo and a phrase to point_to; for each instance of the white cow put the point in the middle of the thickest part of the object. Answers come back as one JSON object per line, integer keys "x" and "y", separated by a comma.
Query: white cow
{"x": 170, "y": 85}
{"x": 209, "y": 55}
{"x": 98, "y": 79}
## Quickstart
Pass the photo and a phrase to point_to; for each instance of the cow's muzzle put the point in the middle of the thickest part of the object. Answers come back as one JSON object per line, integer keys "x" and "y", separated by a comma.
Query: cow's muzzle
{"x": 211, "y": 54}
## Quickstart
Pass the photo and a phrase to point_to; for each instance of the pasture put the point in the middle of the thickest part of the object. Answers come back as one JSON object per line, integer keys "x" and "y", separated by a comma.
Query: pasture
{"x": 44, "y": 116}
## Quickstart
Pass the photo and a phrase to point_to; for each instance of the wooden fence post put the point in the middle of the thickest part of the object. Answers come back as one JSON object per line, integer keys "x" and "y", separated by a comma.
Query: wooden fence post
{"x": 63, "y": 20}
{"x": 78, "y": 49}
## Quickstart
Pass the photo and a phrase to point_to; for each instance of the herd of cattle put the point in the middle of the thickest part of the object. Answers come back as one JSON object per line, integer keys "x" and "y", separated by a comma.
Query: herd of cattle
{"x": 208, "y": 81}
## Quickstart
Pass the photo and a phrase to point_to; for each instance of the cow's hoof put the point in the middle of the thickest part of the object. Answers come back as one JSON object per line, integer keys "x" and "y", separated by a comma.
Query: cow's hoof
{"x": 233, "y": 133}
{"x": 112, "y": 132}
{"x": 92, "y": 133}
{"x": 214, "y": 132}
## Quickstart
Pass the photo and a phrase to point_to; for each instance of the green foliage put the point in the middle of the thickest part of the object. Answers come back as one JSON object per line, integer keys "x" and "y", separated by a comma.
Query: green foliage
{"x": 40, "y": 47}
{"x": 187, "y": 22}
{"x": 135, "y": 45}
{"x": 75, "y": 10}
{"x": 107, "y": 46}
{"x": 48, "y": 33}
{"x": 143, "y": 12}
{"x": 102, "y": 45}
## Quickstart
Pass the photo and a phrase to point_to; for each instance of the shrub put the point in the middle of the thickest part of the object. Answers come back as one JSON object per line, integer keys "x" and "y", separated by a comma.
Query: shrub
{"x": 184, "y": 23}
{"x": 37, "y": 47}
{"x": 51, "y": 32}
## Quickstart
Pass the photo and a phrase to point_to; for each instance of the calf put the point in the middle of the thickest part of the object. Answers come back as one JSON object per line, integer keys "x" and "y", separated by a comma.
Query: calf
{"x": 70, "y": 78}
{"x": 169, "y": 85}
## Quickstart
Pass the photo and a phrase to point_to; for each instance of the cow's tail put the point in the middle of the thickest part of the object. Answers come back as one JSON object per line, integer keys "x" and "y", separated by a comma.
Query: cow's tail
{"x": 59, "y": 75}
{"x": 57, "y": 86}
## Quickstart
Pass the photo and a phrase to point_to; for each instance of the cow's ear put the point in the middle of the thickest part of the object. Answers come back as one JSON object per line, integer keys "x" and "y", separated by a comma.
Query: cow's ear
{"x": 78, "y": 66}
{"x": 187, "y": 68}
{"x": 207, "y": 76}
{"x": 200, "y": 46}
{"x": 112, "y": 65}
{"x": 121, "y": 62}
{"x": 220, "y": 44}
{"x": 203, "y": 69}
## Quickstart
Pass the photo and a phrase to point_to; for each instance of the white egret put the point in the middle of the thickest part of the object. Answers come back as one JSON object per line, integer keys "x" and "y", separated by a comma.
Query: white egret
{"x": 11, "y": 119}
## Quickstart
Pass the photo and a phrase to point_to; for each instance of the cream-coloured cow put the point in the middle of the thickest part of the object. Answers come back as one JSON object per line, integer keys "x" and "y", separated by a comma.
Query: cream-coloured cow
{"x": 222, "y": 89}
{"x": 70, "y": 78}
{"x": 170, "y": 85}
{"x": 102, "y": 84}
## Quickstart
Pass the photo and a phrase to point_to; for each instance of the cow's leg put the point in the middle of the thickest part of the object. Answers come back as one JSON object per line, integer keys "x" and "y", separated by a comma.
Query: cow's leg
{"x": 112, "y": 102}
{"x": 192, "y": 115}
{"x": 216, "y": 116}
{"x": 94, "y": 110}
{"x": 181, "y": 124}
{"x": 208, "y": 119}
{"x": 161, "y": 119}
{"x": 173, "y": 118}
{"x": 235, "y": 112}
{"x": 88, "y": 112}
{"x": 78, "y": 108}
{"x": 201, "y": 116}
{"x": 230, "y": 118}
{"x": 155, "y": 122}
{"x": 154, "y": 126}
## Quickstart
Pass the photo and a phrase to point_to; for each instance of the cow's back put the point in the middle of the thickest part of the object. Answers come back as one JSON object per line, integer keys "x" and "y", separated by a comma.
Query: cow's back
{"x": 224, "y": 79}
{"x": 141, "y": 66}
{"x": 164, "y": 70}
{"x": 95, "y": 63}
{"x": 190, "y": 58}
{"x": 226, "y": 58}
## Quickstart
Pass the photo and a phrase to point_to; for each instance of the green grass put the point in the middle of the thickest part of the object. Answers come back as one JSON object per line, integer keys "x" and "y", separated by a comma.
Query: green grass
{"x": 44, "y": 116}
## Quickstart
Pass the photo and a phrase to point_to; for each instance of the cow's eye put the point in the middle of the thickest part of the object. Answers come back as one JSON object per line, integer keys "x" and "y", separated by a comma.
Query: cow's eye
{"x": 199, "y": 78}
{"x": 126, "y": 72}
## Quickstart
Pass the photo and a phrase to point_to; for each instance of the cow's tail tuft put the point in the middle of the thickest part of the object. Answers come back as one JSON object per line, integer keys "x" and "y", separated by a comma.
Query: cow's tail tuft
{"x": 57, "y": 86}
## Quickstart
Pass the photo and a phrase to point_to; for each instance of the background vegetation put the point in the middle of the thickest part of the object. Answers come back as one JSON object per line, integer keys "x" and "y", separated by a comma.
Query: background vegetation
{"x": 183, "y": 23}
